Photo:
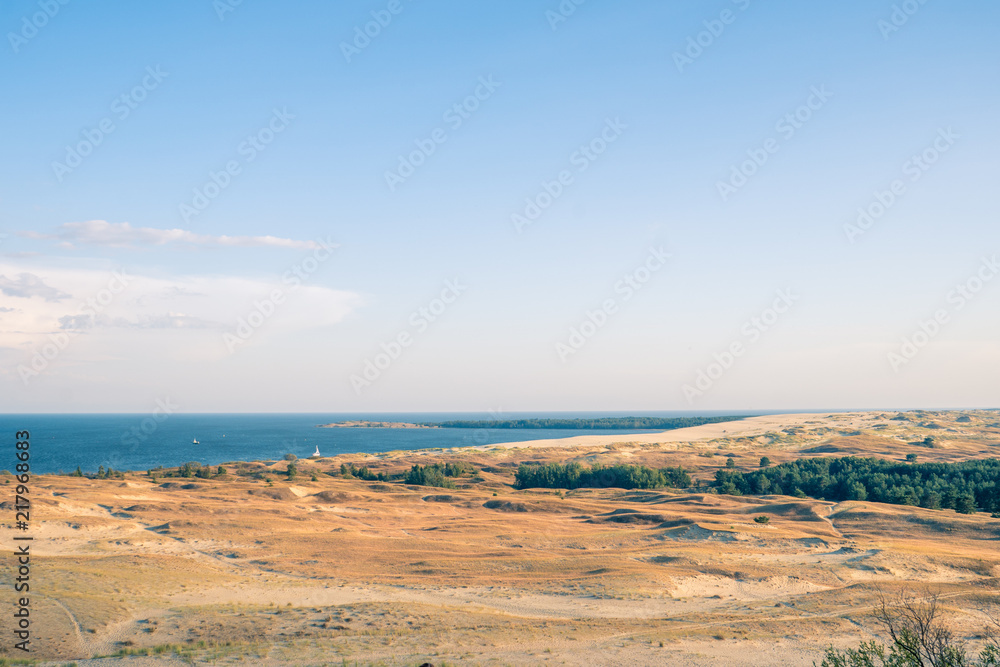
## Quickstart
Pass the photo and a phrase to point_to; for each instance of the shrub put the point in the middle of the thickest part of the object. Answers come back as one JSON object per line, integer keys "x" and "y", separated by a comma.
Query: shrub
{"x": 764, "y": 462}
{"x": 348, "y": 471}
{"x": 763, "y": 518}
{"x": 918, "y": 637}
{"x": 432, "y": 475}
{"x": 290, "y": 457}
{"x": 730, "y": 462}
{"x": 189, "y": 469}
{"x": 458, "y": 469}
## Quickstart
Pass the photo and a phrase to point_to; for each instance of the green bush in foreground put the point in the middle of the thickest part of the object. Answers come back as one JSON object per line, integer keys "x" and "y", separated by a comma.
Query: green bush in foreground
{"x": 575, "y": 476}
{"x": 918, "y": 639}
{"x": 872, "y": 654}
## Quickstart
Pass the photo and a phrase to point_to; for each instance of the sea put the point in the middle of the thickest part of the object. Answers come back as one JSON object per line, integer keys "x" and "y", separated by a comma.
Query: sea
{"x": 63, "y": 442}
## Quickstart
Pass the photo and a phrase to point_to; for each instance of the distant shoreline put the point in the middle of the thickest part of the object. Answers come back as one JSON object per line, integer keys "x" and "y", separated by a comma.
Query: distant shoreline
{"x": 582, "y": 424}
{"x": 370, "y": 424}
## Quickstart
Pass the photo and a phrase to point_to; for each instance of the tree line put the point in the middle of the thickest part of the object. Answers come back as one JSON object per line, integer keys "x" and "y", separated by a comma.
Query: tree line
{"x": 575, "y": 476}
{"x": 963, "y": 487}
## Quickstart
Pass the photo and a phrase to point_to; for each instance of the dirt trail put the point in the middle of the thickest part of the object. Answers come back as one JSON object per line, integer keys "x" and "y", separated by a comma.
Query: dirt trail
{"x": 77, "y": 631}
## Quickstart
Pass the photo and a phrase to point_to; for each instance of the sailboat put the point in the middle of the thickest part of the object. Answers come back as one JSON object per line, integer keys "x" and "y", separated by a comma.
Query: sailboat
{"x": 316, "y": 454}
{"x": 195, "y": 442}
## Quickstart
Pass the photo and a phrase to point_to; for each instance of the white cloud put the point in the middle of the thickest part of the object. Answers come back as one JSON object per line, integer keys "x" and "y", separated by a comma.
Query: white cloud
{"x": 191, "y": 313}
{"x": 122, "y": 234}
{"x": 28, "y": 285}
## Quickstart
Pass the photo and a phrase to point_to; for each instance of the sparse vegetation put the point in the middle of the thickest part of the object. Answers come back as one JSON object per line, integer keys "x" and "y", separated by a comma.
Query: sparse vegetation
{"x": 918, "y": 637}
{"x": 348, "y": 470}
{"x": 589, "y": 553}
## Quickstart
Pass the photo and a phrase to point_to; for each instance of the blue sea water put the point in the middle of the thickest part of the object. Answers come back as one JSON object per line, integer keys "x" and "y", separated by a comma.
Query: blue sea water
{"x": 61, "y": 442}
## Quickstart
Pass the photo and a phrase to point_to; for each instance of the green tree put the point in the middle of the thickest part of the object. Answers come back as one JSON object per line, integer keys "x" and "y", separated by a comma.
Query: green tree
{"x": 764, "y": 462}
{"x": 857, "y": 492}
{"x": 730, "y": 462}
{"x": 965, "y": 503}
{"x": 292, "y": 471}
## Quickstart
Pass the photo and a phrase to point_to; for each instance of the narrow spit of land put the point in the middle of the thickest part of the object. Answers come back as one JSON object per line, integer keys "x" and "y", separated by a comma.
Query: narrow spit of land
{"x": 598, "y": 423}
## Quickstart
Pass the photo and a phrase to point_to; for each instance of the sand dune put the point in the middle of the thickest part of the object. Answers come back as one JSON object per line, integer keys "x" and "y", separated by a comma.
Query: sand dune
{"x": 307, "y": 572}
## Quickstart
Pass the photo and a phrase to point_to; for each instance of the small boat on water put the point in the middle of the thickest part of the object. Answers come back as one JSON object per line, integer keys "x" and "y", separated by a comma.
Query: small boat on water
{"x": 316, "y": 454}
{"x": 195, "y": 442}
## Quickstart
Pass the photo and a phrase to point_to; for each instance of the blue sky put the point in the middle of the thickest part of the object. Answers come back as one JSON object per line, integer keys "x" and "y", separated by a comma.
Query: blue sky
{"x": 894, "y": 79}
